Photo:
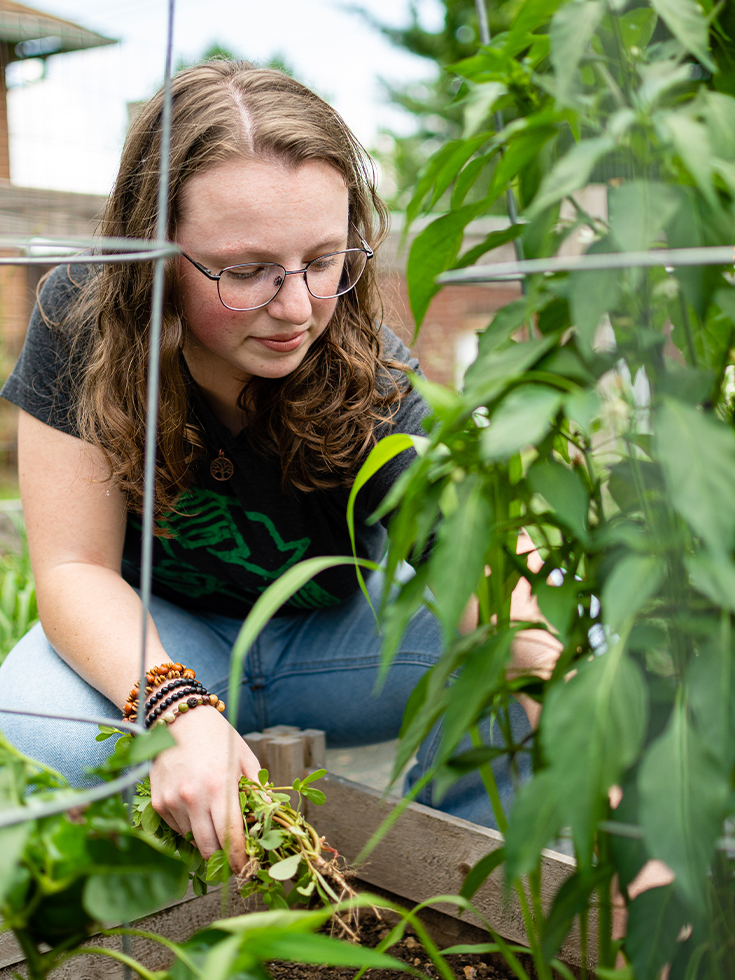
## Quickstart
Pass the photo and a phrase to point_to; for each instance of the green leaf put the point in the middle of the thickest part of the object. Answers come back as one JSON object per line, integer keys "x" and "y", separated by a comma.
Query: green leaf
{"x": 150, "y": 821}
{"x": 710, "y": 684}
{"x": 388, "y": 448}
{"x": 655, "y": 919}
{"x": 137, "y": 881}
{"x": 315, "y": 796}
{"x": 480, "y": 679}
{"x": 481, "y": 872}
{"x": 563, "y": 489}
{"x": 686, "y": 21}
{"x": 697, "y": 453}
{"x": 433, "y": 251}
{"x": 714, "y": 577}
{"x": 312, "y": 777}
{"x": 307, "y": 948}
{"x": 583, "y": 407}
{"x": 559, "y": 603}
{"x": 592, "y": 728}
{"x": 271, "y": 840}
{"x": 285, "y": 869}
{"x": 531, "y": 15}
{"x": 571, "y": 173}
{"x": 523, "y": 419}
{"x": 683, "y": 793}
{"x": 521, "y": 151}
{"x": 493, "y": 371}
{"x": 478, "y": 106}
{"x": 218, "y": 868}
{"x": 150, "y": 744}
{"x": 494, "y": 240}
{"x": 458, "y": 558}
{"x": 719, "y": 114}
{"x": 505, "y": 322}
{"x": 637, "y": 27}
{"x": 535, "y": 821}
{"x": 691, "y": 141}
{"x": 591, "y": 295}
{"x": 632, "y": 582}
{"x": 570, "y": 32}
{"x": 639, "y": 210}
{"x": 12, "y": 845}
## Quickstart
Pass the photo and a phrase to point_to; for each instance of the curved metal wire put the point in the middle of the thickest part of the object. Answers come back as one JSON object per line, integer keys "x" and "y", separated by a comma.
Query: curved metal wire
{"x": 517, "y": 271}
{"x": 85, "y": 250}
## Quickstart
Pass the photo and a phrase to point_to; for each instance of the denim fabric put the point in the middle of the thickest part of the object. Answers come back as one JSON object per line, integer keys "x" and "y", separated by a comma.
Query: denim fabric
{"x": 312, "y": 670}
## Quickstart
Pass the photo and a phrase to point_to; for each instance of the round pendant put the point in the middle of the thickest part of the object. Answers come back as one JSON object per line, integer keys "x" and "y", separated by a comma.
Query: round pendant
{"x": 221, "y": 468}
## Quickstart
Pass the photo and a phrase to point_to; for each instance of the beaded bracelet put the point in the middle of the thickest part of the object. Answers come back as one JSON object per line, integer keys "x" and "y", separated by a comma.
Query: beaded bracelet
{"x": 194, "y": 686}
{"x": 177, "y": 695}
{"x": 155, "y": 677}
{"x": 171, "y": 714}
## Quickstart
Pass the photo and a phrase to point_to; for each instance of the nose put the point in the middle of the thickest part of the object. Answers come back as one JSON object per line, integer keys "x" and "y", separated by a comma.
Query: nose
{"x": 293, "y": 302}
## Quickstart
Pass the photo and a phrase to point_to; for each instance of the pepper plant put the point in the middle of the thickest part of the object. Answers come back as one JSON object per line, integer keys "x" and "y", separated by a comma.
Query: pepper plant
{"x": 597, "y": 415}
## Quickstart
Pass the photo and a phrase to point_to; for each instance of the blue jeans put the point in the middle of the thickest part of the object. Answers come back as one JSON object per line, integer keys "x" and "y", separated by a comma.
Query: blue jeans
{"x": 311, "y": 670}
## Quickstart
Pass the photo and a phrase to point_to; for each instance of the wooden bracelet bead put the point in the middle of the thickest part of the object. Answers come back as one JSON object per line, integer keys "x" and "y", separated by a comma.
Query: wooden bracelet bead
{"x": 156, "y": 677}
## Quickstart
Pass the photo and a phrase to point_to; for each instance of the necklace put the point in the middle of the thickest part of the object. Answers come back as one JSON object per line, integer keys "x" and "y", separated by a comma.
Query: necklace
{"x": 221, "y": 468}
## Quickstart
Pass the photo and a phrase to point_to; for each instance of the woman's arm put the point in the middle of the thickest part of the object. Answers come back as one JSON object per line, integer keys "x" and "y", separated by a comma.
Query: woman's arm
{"x": 76, "y": 521}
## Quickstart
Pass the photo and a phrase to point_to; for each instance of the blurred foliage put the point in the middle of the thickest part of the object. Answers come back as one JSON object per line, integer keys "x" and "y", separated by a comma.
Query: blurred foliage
{"x": 434, "y": 105}
{"x": 18, "y": 609}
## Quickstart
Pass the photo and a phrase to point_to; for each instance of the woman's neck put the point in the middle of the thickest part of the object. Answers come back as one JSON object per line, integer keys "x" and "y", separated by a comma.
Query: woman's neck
{"x": 221, "y": 392}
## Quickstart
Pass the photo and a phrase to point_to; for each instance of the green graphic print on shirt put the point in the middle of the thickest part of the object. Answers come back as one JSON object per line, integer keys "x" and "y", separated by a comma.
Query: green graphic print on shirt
{"x": 212, "y": 531}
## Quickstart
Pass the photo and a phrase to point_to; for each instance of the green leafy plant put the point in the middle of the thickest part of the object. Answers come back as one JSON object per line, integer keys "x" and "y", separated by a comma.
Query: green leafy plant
{"x": 70, "y": 875}
{"x": 281, "y": 846}
{"x": 65, "y": 875}
{"x": 582, "y": 422}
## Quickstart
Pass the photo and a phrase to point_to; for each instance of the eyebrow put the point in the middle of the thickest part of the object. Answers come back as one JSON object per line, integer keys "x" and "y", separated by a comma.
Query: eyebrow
{"x": 265, "y": 255}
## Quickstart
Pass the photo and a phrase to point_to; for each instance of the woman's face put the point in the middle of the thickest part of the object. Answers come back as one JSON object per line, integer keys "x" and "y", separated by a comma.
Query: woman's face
{"x": 256, "y": 211}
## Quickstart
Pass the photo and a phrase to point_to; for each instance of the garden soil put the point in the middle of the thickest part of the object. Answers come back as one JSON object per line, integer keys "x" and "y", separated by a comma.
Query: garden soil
{"x": 487, "y": 966}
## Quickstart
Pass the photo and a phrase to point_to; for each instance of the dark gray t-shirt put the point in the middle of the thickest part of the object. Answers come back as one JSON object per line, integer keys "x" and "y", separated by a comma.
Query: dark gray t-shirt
{"x": 233, "y": 538}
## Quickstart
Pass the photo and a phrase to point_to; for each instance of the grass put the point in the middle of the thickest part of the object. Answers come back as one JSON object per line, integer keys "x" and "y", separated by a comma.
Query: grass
{"x": 18, "y": 610}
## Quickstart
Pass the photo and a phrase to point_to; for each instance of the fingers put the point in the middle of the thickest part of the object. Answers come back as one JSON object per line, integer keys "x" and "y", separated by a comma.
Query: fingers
{"x": 195, "y": 784}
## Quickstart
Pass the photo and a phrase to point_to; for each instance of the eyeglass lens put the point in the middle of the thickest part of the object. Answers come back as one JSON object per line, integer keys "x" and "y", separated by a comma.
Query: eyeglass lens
{"x": 246, "y": 287}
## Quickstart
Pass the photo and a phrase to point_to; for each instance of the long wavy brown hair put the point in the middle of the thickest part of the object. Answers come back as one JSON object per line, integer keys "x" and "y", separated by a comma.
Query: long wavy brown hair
{"x": 319, "y": 420}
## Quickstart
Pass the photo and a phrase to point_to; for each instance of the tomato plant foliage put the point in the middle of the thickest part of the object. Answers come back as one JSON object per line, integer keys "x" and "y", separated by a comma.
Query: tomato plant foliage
{"x": 597, "y": 415}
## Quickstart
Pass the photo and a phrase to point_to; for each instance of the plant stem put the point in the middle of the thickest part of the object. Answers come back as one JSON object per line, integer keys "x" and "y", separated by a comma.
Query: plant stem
{"x": 604, "y": 920}
{"x": 686, "y": 323}
{"x": 491, "y": 787}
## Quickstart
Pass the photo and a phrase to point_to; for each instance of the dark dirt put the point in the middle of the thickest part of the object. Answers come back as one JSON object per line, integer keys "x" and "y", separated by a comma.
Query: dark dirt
{"x": 487, "y": 966}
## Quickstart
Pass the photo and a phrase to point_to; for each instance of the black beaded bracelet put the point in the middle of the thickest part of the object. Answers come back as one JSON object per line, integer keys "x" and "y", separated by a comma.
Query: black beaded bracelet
{"x": 171, "y": 686}
{"x": 177, "y": 695}
{"x": 171, "y": 714}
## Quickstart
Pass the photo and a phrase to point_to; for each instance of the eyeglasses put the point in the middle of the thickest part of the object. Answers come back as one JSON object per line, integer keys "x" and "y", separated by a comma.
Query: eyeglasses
{"x": 254, "y": 284}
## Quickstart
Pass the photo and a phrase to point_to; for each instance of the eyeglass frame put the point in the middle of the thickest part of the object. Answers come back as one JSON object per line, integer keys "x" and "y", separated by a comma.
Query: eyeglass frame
{"x": 215, "y": 277}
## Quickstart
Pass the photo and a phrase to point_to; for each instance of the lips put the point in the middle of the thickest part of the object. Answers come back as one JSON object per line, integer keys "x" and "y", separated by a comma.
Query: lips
{"x": 283, "y": 343}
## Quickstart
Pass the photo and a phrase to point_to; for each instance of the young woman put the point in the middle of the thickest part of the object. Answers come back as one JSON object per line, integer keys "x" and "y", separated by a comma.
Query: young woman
{"x": 276, "y": 380}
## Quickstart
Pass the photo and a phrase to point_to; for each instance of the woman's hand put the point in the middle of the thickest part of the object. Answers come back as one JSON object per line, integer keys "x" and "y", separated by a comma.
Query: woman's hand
{"x": 535, "y": 652}
{"x": 194, "y": 784}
